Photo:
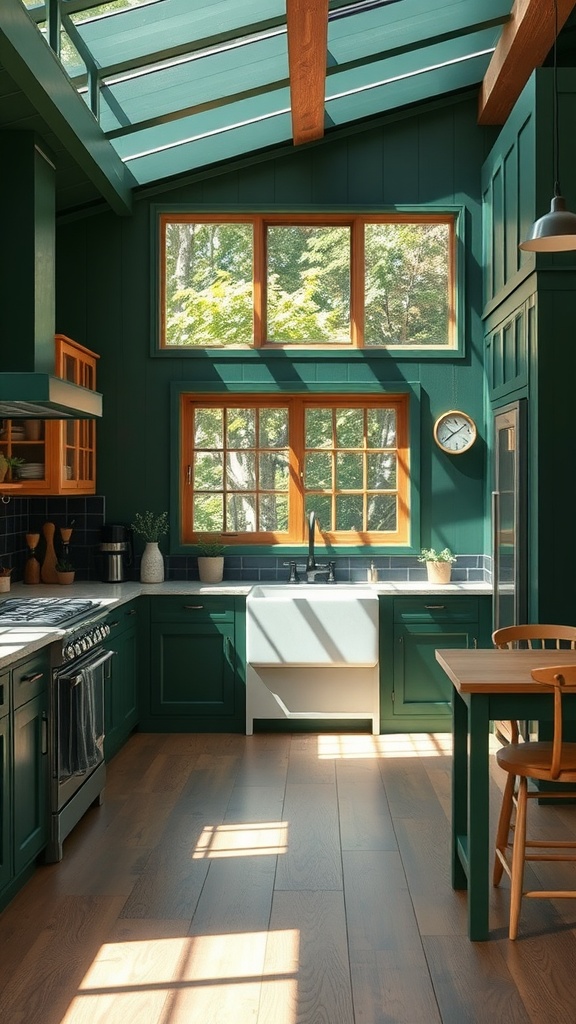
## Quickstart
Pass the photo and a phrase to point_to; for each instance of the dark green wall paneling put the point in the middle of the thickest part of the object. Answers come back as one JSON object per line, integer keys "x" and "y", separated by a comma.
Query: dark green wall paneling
{"x": 429, "y": 157}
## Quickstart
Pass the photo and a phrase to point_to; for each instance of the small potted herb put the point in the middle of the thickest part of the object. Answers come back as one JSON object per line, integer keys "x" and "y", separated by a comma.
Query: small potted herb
{"x": 65, "y": 571}
{"x": 438, "y": 564}
{"x": 4, "y": 579}
{"x": 211, "y": 559}
{"x": 12, "y": 464}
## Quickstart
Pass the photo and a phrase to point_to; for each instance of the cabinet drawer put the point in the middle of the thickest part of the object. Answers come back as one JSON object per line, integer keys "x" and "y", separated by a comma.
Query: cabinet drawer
{"x": 124, "y": 617}
{"x": 4, "y": 693}
{"x": 30, "y": 678}
{"x": 192, "y": 608}
{"x": 436, "y": 609}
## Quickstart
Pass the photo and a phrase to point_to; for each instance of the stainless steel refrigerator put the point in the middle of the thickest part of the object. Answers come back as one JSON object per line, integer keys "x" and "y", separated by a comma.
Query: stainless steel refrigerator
{"x": 509, "y": 514}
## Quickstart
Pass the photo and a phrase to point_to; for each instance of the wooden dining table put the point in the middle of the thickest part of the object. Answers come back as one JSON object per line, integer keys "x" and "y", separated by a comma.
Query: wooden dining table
{"x": 488, "y": 685}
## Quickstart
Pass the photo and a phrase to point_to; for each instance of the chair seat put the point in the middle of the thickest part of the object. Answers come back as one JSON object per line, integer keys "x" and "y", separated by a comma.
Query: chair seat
{"x": 533, "y": 760}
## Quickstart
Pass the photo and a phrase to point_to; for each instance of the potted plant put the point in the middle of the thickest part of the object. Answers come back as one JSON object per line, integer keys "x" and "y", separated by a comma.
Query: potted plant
{"x": 4, "y": 579}
{"x": 12, "y": 463}
{"x": 211, "y": 560}
{"x": 438, "y": 564}
{"x": 65, "y": 571}
{"x": 151, "y": 526}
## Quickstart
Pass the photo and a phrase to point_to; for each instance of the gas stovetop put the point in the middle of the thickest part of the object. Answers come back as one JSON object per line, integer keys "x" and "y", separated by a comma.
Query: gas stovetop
{"x": 45, "y": 611}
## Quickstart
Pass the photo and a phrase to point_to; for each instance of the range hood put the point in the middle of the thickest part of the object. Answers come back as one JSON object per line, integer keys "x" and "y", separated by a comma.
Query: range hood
{"x": 42, "y": 396}
{"x": 29, "y": 388}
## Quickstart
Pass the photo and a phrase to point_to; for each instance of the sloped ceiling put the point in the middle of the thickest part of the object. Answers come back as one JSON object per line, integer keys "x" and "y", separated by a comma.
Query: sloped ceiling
{"x": 156, "y": 89}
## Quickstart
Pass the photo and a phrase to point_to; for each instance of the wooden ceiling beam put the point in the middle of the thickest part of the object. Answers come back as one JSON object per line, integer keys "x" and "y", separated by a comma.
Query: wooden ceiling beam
{"x": 307, "y": 22}
{"x": 525, "y": 41}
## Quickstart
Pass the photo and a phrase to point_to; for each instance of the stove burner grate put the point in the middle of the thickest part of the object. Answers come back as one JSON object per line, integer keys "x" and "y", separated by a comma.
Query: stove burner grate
{"x": 45, "y": 611}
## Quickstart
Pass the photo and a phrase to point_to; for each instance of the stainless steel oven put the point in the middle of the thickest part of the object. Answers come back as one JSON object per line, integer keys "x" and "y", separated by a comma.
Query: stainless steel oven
{"x": 76, "y": 746}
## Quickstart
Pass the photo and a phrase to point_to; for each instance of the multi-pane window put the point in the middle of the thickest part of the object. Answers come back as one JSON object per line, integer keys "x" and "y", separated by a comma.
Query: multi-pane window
{"x": 254, "y": 467}
{"x": 336, "y": 281}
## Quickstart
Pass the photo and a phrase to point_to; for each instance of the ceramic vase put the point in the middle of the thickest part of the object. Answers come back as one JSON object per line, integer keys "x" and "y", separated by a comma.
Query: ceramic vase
{"x": 211, "y": 568}
{"x": 152, "y": 564}
{"x": 439, "y": 572}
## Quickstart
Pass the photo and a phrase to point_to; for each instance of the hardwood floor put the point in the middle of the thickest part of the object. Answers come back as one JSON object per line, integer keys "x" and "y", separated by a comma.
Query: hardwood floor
{"x": 277, "y": 879}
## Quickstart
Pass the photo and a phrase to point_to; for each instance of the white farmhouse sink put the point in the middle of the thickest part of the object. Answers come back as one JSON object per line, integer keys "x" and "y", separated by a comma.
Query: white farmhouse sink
{"x": 312, "y": 653}
{"x": 311, "y": 625}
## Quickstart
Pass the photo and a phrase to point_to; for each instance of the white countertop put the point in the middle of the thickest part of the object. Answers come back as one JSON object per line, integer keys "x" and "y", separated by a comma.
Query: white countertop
{"x": 18, "y": 642}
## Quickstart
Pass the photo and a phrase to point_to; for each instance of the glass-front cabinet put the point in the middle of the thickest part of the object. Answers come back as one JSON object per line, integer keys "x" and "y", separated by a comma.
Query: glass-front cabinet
{"x": 53, "y": 456}
{"x": 76, "y": 463}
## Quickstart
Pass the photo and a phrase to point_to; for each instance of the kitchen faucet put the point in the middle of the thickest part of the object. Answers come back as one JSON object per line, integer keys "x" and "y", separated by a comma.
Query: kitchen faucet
{"x": 313, "y": 568}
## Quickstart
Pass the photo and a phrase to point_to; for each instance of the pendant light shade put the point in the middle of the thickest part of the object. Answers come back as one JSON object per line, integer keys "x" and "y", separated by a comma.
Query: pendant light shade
{"x": 555, "y": 231}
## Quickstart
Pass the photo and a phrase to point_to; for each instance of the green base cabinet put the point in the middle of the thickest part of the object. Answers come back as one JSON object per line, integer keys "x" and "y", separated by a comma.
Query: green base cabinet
{"x": 23, "y": 770}
{"x": 195, "y": 684}
{"x": 121, "y": 683}
{"x": 416, "y": 693}
{"x": 30, "y": 775}
{"x": 5, "y": 801}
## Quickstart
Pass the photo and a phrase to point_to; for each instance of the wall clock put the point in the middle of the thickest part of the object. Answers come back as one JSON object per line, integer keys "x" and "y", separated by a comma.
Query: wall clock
{"x": 455, "y": 432}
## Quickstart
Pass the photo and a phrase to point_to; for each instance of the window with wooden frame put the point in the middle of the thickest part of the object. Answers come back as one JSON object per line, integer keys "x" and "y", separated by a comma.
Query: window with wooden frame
{"x": 302, "y": 280}
{"x": 253, "y": 467}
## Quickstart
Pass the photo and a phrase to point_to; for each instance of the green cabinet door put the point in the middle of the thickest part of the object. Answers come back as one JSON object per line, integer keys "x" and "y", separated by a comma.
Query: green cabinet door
{"x": 421, "y": 687}
{"x": 5, "y": 804}
{"x": 192, "y": 670}
{"x": 30, "y": 776}
{"x": 121, "y": 682}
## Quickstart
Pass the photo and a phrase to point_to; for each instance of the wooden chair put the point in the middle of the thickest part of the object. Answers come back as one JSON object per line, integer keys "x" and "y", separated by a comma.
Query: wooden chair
{"x": 550, "y": 761}
{"x": 531, "y": 636}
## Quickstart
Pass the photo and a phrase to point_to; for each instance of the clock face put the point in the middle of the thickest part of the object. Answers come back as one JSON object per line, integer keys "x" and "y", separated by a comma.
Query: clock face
{"x": 454, "y": 432}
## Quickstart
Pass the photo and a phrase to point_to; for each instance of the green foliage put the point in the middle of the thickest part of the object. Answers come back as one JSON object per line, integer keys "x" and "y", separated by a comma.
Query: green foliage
{"x": 430, "y": 555}
{"x": 150, "y": 525}
{"x": 209, "y": 293}
{"x": 213, "y": 548}
{"x": 63, "y": 565}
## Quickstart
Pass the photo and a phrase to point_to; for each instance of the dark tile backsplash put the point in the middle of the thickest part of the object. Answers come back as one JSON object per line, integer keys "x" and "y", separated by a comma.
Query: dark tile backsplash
{"x": 19, "y": 516}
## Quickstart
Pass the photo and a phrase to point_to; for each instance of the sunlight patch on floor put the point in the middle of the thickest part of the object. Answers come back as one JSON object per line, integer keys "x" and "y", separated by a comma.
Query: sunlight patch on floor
{"x": 186, "y": 979}
{"x": 263, "y": 837}
{"x": 354, "y": 745}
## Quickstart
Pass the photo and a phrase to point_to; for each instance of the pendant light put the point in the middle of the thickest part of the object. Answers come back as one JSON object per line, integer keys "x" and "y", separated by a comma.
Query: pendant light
{"x": 555, "y": 231}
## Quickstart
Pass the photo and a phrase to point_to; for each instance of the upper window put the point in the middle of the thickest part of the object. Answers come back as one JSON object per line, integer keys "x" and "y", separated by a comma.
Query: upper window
{"x": 338, "y": 281}
{"x": 254, "y": 467}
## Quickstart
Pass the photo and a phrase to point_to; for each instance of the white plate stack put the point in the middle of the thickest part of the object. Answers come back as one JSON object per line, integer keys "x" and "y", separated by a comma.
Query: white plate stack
{"x": 31, "y": 471}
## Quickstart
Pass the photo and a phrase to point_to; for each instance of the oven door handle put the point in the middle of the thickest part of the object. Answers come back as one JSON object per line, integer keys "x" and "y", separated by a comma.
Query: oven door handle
{"x": 74, "y": 675}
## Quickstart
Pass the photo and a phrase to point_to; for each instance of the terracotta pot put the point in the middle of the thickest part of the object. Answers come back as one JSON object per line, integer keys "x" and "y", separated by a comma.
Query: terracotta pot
{"x": 65, "y": 577}
{"x": 439, "y": 572}
{"x": 4, "y": 584}
{"x": 211, "y": 568}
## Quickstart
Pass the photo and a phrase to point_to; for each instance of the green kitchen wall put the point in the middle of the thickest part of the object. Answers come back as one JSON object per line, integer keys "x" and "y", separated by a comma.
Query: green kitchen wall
{"x": 106, "y": 284}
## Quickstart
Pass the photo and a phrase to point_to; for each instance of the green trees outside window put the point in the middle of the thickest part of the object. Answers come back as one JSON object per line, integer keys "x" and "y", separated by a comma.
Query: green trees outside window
{"x": 255, "y": 467}
{"x": 330, "y": 281}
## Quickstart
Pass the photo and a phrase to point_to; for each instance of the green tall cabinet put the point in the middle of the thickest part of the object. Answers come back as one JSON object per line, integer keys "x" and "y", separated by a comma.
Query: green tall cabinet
{"x": 529, "y": 302}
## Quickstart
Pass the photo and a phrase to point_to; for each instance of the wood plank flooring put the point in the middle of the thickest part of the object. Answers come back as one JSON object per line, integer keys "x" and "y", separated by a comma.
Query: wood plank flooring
{"x": 278, "y": 879}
